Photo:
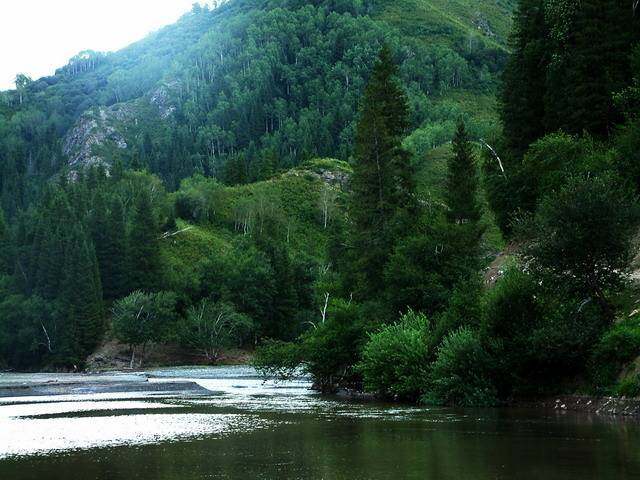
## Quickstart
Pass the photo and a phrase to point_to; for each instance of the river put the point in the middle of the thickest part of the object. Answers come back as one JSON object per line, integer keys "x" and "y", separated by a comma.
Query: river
{"x": 239, "y": 427}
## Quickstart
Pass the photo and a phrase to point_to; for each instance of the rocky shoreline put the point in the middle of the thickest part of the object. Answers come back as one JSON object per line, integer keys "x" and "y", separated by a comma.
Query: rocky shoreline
{"x": 629, "y": 407}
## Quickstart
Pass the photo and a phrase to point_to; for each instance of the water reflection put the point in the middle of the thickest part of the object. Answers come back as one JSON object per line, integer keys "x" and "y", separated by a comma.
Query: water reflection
{"x": 246, "y": 428}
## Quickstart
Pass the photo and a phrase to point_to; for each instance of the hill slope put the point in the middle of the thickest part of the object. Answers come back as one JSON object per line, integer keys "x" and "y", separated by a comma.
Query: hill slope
{"x": 250, "y": 87}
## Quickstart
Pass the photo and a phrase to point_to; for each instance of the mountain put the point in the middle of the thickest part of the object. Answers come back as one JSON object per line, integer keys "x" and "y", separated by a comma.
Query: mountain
{"x": 228, "y": 139}
{"x": 250, "y": 87}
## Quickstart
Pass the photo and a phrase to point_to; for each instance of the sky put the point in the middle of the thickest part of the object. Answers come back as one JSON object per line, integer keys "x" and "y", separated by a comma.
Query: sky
{"x": 38, "y": 36}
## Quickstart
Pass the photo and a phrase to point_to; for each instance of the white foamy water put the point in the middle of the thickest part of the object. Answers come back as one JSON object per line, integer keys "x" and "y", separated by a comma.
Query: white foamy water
{"x": 28, "y": 436}
{"x": 42, "y": 424}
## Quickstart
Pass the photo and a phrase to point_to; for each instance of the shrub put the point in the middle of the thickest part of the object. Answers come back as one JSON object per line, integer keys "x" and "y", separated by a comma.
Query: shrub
{"x": 629, "y": 386}
{"x": 332, "y": 348}
{"x": 395, "y": 360}
{"x": 143, "y": 317}
{"x": 618, "y": 346}
{"x": 460, "y": 373}
{"x": 278, "y": 359}
{"x": 510, "y": 314}
{"x": 212, "y": 326}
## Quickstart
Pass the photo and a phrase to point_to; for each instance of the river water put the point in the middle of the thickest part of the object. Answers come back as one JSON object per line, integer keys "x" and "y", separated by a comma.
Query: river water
{"x": 244, "y": 428}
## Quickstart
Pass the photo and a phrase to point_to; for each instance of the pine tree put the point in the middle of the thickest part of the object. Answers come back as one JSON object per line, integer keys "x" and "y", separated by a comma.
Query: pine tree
{"x": 523, "y": 82}
{"x": 592, "y": 44}
{"x": 81, "y": 293}
{"x": 113, "y": 267}
{"x": 5, "y": 245}
{"x": 462, "y": 180}
{"x": 382, "y": 201}
{"x": 144, "y": 247}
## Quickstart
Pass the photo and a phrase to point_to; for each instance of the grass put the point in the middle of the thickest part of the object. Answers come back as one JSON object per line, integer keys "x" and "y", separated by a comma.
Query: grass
{"x": 446, "y": 21}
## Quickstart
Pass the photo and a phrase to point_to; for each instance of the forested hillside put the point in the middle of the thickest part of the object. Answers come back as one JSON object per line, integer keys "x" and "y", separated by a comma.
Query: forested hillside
{"x": 248, "y": 88}
{"x": 328, "y": 181}
{"x": 232, "y": 95}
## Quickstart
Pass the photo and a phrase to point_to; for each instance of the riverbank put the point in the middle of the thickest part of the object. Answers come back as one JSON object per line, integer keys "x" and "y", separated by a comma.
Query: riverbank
{"x": 59, "y": 384}
{"x": 113, "y": 355}
{"x": 629, "y": 407}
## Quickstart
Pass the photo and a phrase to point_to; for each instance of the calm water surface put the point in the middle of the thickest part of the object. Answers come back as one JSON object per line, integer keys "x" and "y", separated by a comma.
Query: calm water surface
{"x": 247, "y": 429}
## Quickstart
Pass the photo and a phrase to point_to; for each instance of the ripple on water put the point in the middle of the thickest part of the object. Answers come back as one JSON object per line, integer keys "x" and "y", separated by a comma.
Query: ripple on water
{"x": 32, "y": 436}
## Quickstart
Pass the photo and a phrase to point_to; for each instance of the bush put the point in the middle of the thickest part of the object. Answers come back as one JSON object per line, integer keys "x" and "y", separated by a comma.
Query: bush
{"x": 460, "y": 374}
{"x": 332, "y": 348}
{"x": 559, "y": 347}
{"x": 395, "y": 360}
{"x": 143, "y": 317}
{"x": 211, "y": 326}
{"x": 629, "y": 386}
{"x": 618, "y": 346}
{"x": 510, "y": 314}
{"x": 278, "y": 359}
{"x": 327, "y": 351}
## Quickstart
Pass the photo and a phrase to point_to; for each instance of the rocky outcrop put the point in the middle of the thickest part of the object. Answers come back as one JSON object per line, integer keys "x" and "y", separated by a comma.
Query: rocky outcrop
{"x": 483, "y": 24}
{"x": 334, "y": 173}
{"x": 161, "y": 99}
{"x": 84, "y": 145}
{"x": 94, "y": 129}
{"x": 595, "y": 405}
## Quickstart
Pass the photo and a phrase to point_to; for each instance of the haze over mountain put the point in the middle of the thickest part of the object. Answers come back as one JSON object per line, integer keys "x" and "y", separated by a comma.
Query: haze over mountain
{"x": 254, "y": 79}
{"x": 71, "y": 26}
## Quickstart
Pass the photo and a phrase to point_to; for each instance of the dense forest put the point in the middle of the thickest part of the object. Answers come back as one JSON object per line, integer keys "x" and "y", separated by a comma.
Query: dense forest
{"x": 330, "y": 183}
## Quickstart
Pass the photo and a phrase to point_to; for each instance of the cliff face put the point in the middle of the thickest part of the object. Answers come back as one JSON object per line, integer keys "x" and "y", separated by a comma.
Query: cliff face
{"x": 103, "y": 129}
{"x": 94, "y": 129}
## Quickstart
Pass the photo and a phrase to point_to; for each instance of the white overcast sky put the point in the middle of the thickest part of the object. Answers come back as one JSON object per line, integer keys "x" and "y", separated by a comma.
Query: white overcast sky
{"x": 38, "y": 36}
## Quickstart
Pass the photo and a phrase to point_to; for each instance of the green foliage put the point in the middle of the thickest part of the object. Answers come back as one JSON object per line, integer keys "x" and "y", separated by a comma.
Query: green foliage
{"x": 141, "y": 318}
{"x": 464, "y": 308}
{"x": 382, "y": 200}
{"x": 144, "y": 247}
{"x": 209, "y": 327}
{"x": 618, "y": 346}
{"x": 278, "y": 359}
{"x": 395, "y": 360}
{"x": 331, "y": 348}
{"x": 460, "y": 373}
{"x": 462, "y": 180}
{"x": 584, "y": 234}
{"x": 629, "y": 386}
{"x": 426, "y": 266}
{"x": 523, "y": 85}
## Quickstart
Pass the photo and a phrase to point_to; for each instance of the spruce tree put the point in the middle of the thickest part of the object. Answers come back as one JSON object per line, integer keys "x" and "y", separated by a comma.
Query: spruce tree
{"x": 144, "y": 246}
{"x": 523, "y": 81}
{"x": 99, "y": 231}
{"x": 591, "y": 46}
{"x": 5, "y": 245}
{"x": 113, "y": 267}
{"x": 462, "y": 180}
{"x": 382, "y": 202}
{"x": 81, "y": 293}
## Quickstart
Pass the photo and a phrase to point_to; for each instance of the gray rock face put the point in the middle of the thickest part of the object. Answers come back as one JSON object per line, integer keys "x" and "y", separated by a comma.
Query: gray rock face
{"x": 104, "y": 126}
{"x": 483, "y": 25}
{"x": 161, "y": 99}
{"x": 333, "y": 178}
{"x": 95, "y": 128}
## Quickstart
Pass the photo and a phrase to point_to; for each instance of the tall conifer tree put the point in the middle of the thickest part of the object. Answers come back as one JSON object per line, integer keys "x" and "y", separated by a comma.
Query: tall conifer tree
{"x": 462, "y": 180}
{"x": 144, "y": 246}
{"x": 523, "y": 82}
{"x": 382, "y": 201}
{"x": 81, "y": 294}
{"x": 113, "y": 268}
